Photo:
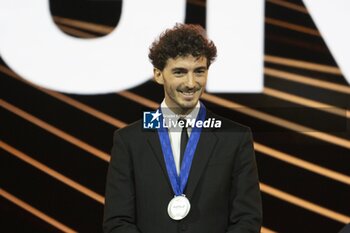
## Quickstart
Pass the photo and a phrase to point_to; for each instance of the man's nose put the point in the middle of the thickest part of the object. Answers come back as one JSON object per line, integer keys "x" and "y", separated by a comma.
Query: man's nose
{"x": 190, "y": 82}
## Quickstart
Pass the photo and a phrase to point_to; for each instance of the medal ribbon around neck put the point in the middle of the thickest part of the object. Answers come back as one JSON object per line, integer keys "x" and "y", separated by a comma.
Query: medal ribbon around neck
{"x": 179, "y": 183}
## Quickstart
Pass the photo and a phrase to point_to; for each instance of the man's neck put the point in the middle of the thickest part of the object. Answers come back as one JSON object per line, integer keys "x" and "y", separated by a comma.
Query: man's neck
{"x": 181, "y": 111}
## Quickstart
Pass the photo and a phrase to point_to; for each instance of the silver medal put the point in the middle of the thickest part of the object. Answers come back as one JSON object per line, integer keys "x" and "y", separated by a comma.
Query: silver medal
{"x": 179, "y": 207}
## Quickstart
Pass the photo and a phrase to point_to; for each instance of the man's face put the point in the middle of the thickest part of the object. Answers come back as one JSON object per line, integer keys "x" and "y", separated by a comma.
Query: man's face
{"x": 184, "y": 80}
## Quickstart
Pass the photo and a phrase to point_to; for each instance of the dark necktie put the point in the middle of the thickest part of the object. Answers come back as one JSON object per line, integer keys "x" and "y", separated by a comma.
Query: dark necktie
{"x": 184, "y": 140}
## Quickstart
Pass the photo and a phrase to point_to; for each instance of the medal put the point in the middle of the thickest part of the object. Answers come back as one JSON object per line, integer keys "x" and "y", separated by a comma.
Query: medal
{"x": 179, "y": 207}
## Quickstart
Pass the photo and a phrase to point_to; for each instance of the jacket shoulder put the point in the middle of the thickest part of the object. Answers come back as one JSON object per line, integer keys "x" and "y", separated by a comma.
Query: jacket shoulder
{"x": 131, "y": 131}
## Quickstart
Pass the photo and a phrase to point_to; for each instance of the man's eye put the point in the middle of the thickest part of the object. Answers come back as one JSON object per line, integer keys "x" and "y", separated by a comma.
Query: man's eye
{"x": 200, "y": 71}
{"x": 178, "y": 72}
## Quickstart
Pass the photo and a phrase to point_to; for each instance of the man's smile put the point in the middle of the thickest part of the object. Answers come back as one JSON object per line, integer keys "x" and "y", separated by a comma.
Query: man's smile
{"x": 188, "y": 94}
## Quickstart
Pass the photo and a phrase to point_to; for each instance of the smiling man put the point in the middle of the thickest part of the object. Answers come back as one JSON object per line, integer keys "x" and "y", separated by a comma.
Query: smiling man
{"x": 184, "y": 80}
{"x": 184, "y": 174}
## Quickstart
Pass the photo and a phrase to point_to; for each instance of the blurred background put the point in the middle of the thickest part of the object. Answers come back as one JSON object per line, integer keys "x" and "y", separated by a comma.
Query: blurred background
{"x": 54, "y": 148}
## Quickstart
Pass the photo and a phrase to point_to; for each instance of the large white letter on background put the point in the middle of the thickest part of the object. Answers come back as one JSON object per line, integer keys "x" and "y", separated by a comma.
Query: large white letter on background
{"x": 237, "y": 29}
{"x": 33, "y": 46}
{"x": 332, "y": 20}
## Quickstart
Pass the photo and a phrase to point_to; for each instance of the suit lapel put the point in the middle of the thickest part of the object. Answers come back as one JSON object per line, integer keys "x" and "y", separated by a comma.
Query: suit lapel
{"x": 201, "y": 157}
{"x": 154, "y": 142}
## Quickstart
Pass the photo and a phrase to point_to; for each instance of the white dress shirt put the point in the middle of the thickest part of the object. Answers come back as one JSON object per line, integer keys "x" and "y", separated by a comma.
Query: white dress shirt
{"x": 175, "y": 131}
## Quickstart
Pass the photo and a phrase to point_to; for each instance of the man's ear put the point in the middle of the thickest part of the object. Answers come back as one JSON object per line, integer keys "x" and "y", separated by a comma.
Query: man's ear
{"x": 158, "y": 76}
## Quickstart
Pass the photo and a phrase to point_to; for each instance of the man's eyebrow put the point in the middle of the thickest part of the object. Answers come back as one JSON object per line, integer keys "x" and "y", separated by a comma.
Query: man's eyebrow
{"x": 201, "y": 67}
{"x": 178, "y": 69}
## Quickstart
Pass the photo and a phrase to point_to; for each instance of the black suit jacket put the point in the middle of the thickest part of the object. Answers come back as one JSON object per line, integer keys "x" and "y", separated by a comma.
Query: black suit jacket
{"x": 222, "y": 187}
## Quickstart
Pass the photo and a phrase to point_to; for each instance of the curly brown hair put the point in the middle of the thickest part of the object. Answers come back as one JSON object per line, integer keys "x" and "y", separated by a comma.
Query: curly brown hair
{"x": 181, "y": 40}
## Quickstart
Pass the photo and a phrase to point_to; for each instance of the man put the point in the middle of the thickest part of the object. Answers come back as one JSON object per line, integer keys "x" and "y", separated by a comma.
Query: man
{"x": 191, "y": 178}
